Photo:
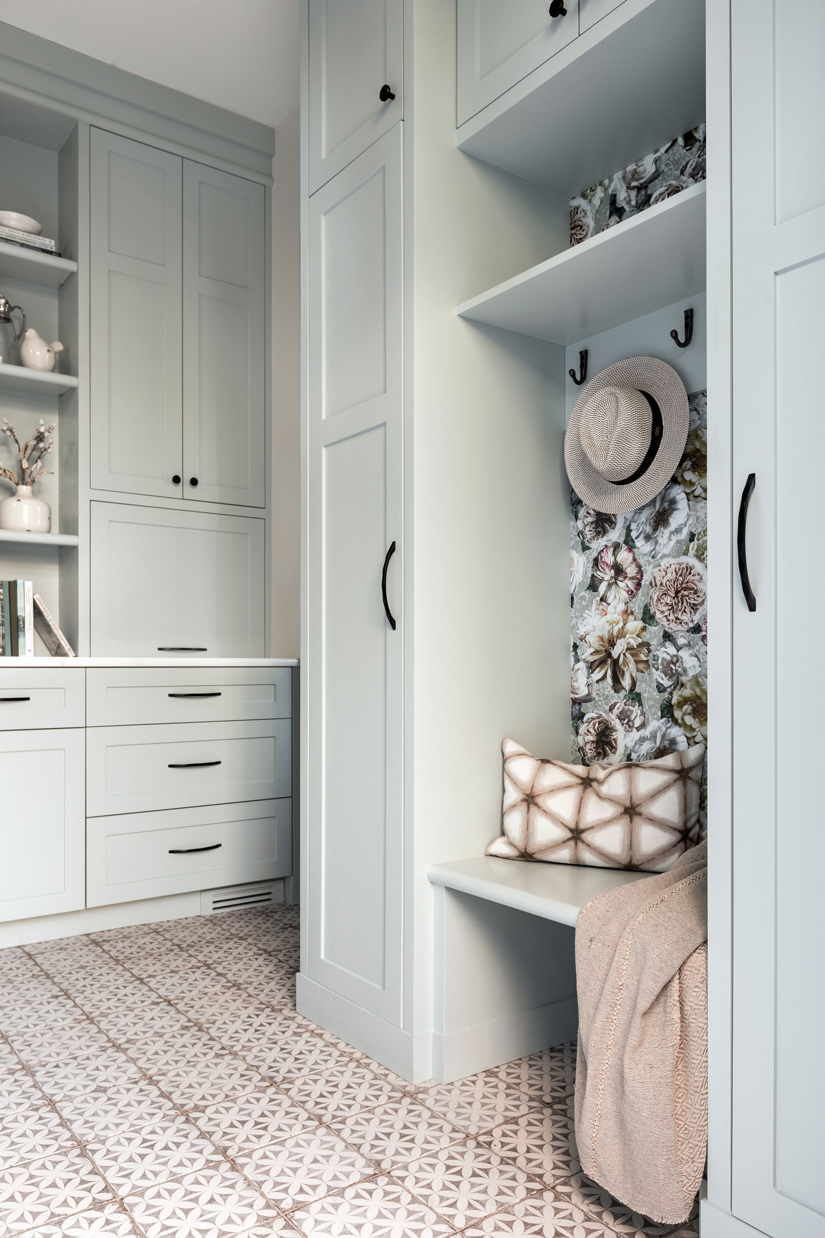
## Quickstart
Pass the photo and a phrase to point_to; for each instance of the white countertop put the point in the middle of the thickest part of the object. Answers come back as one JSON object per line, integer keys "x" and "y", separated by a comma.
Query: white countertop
{"x": 78, "y": 663}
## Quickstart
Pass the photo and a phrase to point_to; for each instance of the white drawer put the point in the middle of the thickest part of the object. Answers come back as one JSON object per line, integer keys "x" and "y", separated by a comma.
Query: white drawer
{"x": 145, "y": 855}
{"x": 31, "y": 699}
{"x": 143, "y": 768}
{"x": 183, "y": 694}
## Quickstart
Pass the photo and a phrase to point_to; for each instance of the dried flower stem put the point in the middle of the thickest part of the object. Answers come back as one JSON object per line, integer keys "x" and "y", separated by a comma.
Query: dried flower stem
{"x": 30, "y": 456}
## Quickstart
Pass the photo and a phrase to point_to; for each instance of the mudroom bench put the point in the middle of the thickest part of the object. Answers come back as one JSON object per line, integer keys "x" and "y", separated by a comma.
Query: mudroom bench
{"x": 505, "y": 980}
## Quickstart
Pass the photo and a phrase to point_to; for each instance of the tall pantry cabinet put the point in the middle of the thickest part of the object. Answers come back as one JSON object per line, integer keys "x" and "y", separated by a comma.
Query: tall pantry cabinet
{"x": 409, "y": 445}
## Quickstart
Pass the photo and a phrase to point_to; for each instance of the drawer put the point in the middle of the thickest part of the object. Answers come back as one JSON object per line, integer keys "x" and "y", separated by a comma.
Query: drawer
{"x": 148, "y": 854}
{"x": 183, "y": 765}
{"x": 35, "y": 699}
{"x": 183, "y": 694}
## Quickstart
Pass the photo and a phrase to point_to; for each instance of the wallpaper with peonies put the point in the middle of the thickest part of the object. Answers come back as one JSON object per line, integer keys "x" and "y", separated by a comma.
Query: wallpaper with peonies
{"x": 639, "y": 597}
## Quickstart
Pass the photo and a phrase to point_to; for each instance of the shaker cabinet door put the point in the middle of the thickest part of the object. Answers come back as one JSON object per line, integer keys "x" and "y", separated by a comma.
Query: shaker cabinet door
{"x": 176, "y": 583}
{"x": 356, "y": 48}
{"x": 43, "y": 823}
{"x": 499, "y": 44}
{"x": 355, "y": 663}
{"x": 224, "y": 349}
{"x": 135, "y": 317}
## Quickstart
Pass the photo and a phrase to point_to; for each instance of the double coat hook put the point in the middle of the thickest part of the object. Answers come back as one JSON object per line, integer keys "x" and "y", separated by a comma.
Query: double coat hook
{"x": 674, "y": 335}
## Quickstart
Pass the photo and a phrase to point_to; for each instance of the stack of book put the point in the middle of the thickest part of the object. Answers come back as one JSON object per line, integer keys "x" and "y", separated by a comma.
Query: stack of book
{"x": 22, "y": 611}
{"x": 27, "y": 240}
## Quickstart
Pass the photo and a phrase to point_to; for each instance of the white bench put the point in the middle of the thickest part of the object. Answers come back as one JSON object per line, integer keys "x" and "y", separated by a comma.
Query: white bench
{"x": 505, "y": 980}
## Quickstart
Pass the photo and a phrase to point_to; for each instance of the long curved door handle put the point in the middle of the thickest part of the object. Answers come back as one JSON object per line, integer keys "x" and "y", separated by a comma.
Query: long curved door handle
{"x": 741, "y": 541}
{"x": 387, "y": 611}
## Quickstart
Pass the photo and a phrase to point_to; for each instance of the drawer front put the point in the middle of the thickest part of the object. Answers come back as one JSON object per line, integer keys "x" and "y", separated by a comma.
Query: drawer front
{"x": 145, "y": 855}
{"x": 147, "y": 768}
{"x": 35, "y": 699}
{"x": 134, "y": 696}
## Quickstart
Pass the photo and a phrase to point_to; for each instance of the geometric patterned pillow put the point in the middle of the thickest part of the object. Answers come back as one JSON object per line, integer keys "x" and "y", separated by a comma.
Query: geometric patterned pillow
{"x": 638, "y": 815}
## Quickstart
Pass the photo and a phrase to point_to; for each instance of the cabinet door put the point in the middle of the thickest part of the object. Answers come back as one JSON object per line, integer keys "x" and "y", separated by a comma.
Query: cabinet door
{"x": 355, "y": 666}
{"x": 592, "y": 11}
{"x": 499, "y": 44}
{"x": 166, "y": 581}
{"x": 356, "y": 47}
{"x": 778, "y": 112}
{"x": 224, "y": 396}
{"x": 43, "y": 823}
{"x": 135, "y": 317}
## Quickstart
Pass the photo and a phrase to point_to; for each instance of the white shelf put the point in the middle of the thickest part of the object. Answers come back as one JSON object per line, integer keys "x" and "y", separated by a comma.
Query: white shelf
{"x": 34, "y": 267}
{"x": 647, "y": 262}
{"x": 39, "y": 539}
{"x": 35, "y": 382}
{"x": 633, "y": 81}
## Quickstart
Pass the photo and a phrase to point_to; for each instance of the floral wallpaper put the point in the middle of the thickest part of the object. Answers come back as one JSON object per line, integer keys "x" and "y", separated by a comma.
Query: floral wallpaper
{"x": 639, "y": 594}
{"x": 666, "y": 172}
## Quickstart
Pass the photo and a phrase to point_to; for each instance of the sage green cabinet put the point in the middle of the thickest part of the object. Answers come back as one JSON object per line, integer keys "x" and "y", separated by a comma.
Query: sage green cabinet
{"x": 178, "y": 359}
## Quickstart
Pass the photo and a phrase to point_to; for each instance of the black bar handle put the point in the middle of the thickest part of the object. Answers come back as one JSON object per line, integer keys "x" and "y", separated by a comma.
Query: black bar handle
{"x": 192, "y": 764}
{"x": 387, "y": 611}
{"x": 13, "y": 700}
{"x": 182, "y": 649}
{"x": 741, "y": 541}
{"x": 189, "y": 850}
{"x": 185, "y": 696}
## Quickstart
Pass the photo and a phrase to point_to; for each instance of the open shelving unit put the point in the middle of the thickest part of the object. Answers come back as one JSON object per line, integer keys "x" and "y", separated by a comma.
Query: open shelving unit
{"x": 608, "y": 279}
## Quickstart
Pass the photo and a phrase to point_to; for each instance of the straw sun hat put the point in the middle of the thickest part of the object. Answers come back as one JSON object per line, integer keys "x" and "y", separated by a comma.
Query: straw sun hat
{"x": 626, "y": 434}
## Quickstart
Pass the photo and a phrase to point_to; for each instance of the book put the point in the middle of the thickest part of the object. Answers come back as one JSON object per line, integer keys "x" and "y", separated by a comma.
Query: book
{"x": 49, "y": 632}
{"x": 51, "y": 253}
{"x": 13, "y": 644}
{"x": 27, "y": 238}
{"x": 28, "y": 616}
{"x": 2, "y": 618}
{"x": 7, "y": 625}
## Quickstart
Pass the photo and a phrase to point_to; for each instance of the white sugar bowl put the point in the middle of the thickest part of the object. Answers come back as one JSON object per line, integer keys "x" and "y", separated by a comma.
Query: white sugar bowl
{"x": 36, "y": 354}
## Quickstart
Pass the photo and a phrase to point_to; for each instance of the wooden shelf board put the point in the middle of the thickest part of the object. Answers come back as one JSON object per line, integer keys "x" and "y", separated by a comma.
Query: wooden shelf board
{"x": 34, "y": 267}
{"x": 39, "y": 539}
{"x": 649, "y": 261}
{"x": 633, "y": 81}
{"x": 35, "y": 382}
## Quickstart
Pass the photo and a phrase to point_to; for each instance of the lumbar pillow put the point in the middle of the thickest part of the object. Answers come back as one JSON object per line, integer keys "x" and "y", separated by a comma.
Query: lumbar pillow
{"x": 637, "y": 815}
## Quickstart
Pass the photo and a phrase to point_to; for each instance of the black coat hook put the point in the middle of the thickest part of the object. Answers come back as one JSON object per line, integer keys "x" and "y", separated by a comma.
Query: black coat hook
{"x": 582, "y": 369}
{"x": 674, "y": 335}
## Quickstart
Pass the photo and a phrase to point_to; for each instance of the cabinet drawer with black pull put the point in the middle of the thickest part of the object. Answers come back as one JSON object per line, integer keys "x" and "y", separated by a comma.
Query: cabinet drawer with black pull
{"x": 131, "y": 696}
{"x": 32, "y": 699}
{"x": 150, "y": 854}
{"x": 182, "y": 765}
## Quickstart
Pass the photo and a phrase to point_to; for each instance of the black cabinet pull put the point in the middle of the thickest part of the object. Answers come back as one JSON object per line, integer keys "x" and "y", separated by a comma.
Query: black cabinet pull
{"x": 13, "y": 700}
{"x": 741, "y": 541}
{"x": 192, "y": 764}
{"x": 189, "y": 850}
{"x": 387, "y": 611}
{"x": 386, "y": 94}
{"x": 557, "y": 9}
{"x": 185, "y": 696}
{"x": 182, "y": 649}
{"x": 176, "y": 479}
{"x": 193, "y": 481}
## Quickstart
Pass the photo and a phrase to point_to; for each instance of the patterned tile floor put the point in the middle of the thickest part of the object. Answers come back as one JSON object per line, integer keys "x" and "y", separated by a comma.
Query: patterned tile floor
{"x": 158, "y": 1082}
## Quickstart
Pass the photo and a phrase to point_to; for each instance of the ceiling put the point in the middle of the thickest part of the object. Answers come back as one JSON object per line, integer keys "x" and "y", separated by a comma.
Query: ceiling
{"x": 242, "y": 55}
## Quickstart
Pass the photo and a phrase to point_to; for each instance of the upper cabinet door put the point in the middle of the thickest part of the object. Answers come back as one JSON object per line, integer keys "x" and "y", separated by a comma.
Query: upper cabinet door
{"x": 500, "y": 43}
{"x": 135, "y": 317}
{"x": 356, "y": 50}
{"x": 224, "y": 349}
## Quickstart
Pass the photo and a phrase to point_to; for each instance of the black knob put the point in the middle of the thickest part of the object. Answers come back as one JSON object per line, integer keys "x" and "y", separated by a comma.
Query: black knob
{"x": 385, "y": 93}
{"x": 176, "y": 480}
{"x": 557, "y": 9}
{"x": 193, "y": 481}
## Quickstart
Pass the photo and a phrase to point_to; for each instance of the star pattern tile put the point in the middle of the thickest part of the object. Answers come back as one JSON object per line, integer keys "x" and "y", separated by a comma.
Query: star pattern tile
{"x": 156, "y": 1081}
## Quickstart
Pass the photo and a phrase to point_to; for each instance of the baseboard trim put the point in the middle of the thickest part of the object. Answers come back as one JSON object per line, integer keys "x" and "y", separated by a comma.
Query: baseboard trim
{"x": 485, "y": 1045}
{"x": 714, "y": 1223}
{"x": 407, "y": 1055}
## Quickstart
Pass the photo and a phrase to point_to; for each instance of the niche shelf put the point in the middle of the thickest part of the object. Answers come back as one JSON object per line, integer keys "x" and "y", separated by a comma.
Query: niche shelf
{"x": 34, "y": 382}
{"x": 39, "y": 539}
{"x": 34, "y": 267}
{"x": 607, "y": 280}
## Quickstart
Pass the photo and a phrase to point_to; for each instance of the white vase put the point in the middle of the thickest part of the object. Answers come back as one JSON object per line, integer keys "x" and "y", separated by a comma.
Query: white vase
{"x": 22, "y": 513}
